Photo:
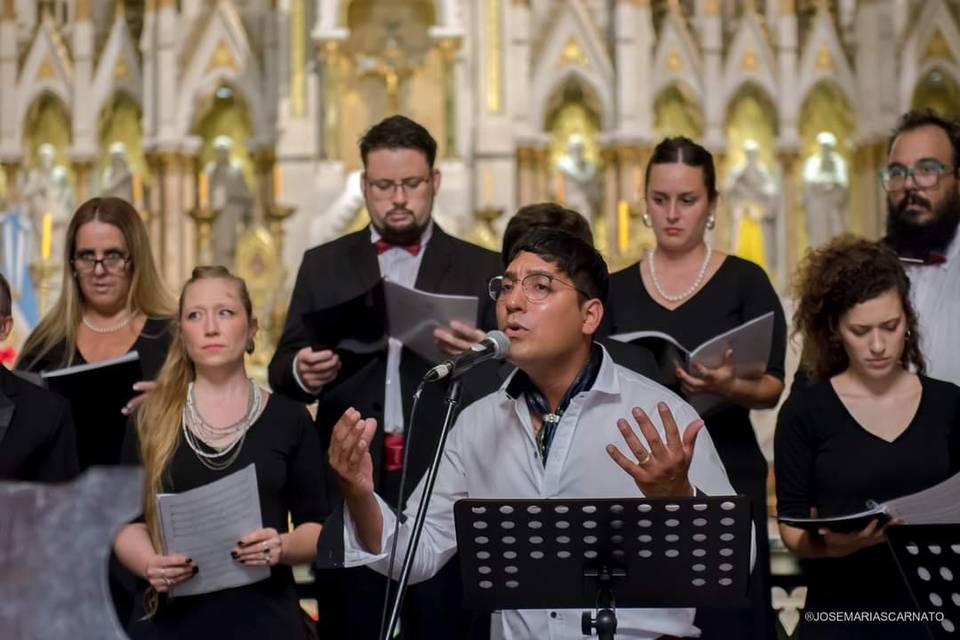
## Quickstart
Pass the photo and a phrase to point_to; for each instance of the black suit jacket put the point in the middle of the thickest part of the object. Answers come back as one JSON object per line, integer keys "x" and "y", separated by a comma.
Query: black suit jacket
{"x": 37, "y": 440}
{"x": 343, "y": 269}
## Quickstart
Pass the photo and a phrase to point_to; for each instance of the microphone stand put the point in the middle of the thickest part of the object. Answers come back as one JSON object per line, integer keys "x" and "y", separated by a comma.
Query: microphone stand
{"x": 452, "y": 400}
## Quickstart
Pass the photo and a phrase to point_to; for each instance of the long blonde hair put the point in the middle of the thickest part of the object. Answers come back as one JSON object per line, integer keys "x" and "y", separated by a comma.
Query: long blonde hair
{"x": 148, "y": 294}
{"x": 159, "y": 417}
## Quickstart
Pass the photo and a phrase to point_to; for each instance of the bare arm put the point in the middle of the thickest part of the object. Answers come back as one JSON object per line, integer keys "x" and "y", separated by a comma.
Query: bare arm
{"x": 300, "y": 545}
{"x": 135, "y": 551}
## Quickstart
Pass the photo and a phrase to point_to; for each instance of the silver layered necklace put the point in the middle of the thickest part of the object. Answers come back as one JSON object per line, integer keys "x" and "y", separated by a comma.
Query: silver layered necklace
{"x": 200, "y": 434}
{"x": 689, "y": 291}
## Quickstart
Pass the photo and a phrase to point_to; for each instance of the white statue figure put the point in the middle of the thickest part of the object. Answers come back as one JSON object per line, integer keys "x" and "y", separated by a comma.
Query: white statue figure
{"x": 230, "y": 198}
{"x": 751, "y": 193}
{"x": 825, "y": 189}
{"x": 580, "y": 180}
{"x": 117, "y": 178}
{"x": 48, "y": 190}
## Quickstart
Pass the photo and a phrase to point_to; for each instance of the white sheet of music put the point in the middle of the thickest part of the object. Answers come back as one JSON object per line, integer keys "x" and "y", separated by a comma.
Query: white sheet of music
{"x": 205, "y": 524}
{"x": 412, "y": 315}
{"x": 940, "y": 504}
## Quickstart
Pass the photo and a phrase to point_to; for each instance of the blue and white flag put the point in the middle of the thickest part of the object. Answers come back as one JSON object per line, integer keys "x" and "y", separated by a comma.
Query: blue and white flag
{"x": 16, "y": 242}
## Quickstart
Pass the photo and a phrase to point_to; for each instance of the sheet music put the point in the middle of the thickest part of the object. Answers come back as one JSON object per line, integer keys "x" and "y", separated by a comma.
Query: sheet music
{"x": 750, "y": 342}
{"x": 413, "y": 315}
{"x": 940, "y": 504}
{"x": 205, "y": 524}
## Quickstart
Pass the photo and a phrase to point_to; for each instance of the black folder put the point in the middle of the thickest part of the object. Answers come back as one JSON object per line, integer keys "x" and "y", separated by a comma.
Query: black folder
{"x": 97, "y": 392}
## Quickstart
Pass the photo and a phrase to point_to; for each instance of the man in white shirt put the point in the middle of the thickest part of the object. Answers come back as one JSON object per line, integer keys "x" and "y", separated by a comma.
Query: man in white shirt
{"x": 923, "y": 199}
{"x": 548, "y": 432}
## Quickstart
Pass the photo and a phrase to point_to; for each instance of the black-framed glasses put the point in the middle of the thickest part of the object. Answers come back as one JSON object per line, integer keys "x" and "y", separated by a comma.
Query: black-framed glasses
{"x": 112, "y": 262}
{"x": 385, "y": 187}
{"x": 926, "y": 175}
{"x": 536, "y": 287}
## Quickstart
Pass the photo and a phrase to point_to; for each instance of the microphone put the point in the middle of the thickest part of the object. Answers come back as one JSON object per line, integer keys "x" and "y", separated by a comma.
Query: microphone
{"x": 494, "y": 346}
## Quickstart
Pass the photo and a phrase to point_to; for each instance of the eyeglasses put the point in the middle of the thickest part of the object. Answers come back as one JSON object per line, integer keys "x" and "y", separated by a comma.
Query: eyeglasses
{"x": 536, "y": 287}
{"x": 111, "y": 263}
{"x": 385, "y": 187}
{"x": 926, "y": 175}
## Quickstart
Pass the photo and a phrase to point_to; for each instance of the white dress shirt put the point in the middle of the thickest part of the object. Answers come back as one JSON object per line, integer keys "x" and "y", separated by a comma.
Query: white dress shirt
{"x": 400, "y": 266}
{"x": 935, "y": 292}
{"x": 491, "y": 453}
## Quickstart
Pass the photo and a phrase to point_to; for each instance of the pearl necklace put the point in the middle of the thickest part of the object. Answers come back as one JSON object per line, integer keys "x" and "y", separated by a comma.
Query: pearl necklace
{"x": 116, "y": 327}
{"x": 693, "y": 287}
{"x": 195, "y": 428}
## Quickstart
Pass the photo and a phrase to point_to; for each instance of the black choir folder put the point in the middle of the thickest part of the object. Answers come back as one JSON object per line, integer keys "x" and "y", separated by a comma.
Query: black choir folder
{"x": 940, "y": 504}
{"x": 97, "y": 392}
{"x": 751, "y": 343}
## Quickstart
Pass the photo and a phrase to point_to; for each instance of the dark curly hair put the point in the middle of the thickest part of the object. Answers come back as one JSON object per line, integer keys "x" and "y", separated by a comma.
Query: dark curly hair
{"x": 832, "y": 280}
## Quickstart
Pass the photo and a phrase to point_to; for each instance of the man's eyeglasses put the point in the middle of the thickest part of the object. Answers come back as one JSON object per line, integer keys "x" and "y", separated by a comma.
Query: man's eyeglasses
{"x": 926, "y": 175}
{"x": 536, "y": 287}
{"x": 112, "y": 262}
{"x": 385, "y": 187}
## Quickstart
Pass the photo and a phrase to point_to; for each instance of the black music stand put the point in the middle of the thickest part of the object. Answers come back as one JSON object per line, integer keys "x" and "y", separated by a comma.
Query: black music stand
{"x": 928, "y": 556}
{"x": 604, "y": 553}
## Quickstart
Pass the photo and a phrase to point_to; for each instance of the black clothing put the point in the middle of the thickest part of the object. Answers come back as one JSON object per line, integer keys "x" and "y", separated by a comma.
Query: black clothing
{"x": 151, "y": 344}
{"x": 816, "y": 444}
{"x": 739, "y": 291}
{"x": 37, "y": 440}
{"x": 337, "y": 272}
{"x": 284, "y": 446}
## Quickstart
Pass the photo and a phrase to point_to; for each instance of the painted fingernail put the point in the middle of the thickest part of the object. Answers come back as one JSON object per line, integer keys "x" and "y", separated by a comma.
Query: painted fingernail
{"x": 234, "y": 555}
{"x": 196, "y": 570}
{"x": 189, "y": 560}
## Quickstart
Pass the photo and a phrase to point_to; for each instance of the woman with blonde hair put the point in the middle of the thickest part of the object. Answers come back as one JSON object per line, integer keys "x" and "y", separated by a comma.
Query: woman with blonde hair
{"x": 204, "y": 420}
{"x": 112, "y": 301}
{"x": 870, "y": 426}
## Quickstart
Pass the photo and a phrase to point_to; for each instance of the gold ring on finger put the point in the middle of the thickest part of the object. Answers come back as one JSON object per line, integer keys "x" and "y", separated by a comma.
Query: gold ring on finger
{"x": 645, "y": 459}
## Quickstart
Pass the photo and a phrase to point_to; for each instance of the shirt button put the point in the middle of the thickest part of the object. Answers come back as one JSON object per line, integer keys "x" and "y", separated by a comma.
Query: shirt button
{"x": 553, "y": 614}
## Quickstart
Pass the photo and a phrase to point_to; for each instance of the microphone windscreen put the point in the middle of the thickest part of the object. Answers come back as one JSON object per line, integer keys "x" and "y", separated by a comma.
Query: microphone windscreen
{"x": 501, "y": 342}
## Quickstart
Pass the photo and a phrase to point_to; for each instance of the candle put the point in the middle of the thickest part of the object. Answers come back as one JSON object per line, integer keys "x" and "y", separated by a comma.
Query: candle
{"x": 137, "y": 191}
{"x": 47, "y": 236}
{"x": 277, "y": 184}
{"x": 487, "y": 187}
{"x": 204, "y": 189}
{"x": 623, "y": 225}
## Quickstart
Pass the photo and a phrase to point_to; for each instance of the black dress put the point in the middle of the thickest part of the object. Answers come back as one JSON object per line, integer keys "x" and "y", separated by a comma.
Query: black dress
{"x": 284, "y": 446}
{"x": 738, "y": 292}
{"x": 151, "y": 344}
{"x": 825, "y": 459}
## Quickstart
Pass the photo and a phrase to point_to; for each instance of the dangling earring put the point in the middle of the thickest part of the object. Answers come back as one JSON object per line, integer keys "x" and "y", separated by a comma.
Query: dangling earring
{"x": 711, "y": 221}
{"x": 645, "y": 218}
{"x": 249, "y": 348}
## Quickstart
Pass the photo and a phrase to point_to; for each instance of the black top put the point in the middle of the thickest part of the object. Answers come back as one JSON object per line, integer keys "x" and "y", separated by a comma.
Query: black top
{"x": 151, "y": 344}
{"x": 37, "y": 440}
{"x": 284, "y": 446}
{"x": 738, "y": 292}
{"x": 825, "y": 459}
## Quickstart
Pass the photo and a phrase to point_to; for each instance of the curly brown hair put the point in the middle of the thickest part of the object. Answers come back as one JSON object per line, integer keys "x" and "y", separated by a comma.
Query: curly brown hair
{"x": 832, "y": 280}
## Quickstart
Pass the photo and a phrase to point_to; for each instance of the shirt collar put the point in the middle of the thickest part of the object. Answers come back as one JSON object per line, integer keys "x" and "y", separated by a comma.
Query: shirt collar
{"x": 607, "y": 382}
{"x": 424, "y": 237}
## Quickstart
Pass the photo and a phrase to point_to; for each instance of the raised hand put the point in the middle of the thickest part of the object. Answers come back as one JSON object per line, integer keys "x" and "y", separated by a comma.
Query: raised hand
{"x": 349, "y": 453}
{"x": 660, "y": 471}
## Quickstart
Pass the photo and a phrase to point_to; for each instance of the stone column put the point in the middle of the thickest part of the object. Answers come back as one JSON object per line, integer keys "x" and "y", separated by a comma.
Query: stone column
{"x": 868, "y": 200}
{"x": 83, "y": 170}
{"x": 9, "y": 135}
{"x": 789, "y": 163}
{"x": 711, "y": 41}
{"x": 611, "y": 189}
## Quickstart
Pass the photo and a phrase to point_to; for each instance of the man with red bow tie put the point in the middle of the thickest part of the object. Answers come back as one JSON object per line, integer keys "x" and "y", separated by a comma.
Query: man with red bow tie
{"x": 402, "y": 244}
{"x": 923, "y": 201}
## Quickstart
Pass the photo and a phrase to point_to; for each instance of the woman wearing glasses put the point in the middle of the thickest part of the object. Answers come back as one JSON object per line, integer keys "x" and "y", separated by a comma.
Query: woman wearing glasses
{"x": 688, "y": 290}
{"x": 112, "y": 299}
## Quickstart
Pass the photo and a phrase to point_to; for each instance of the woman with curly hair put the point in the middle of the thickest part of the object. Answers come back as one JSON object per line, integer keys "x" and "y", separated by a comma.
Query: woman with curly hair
{"x": 870, "y": 426}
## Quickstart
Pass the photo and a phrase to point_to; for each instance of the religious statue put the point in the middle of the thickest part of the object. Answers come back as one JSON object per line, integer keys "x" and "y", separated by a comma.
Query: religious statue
{"x": 230, "y": 199}
{"x": 117, "y": 178}
{"x": 48, "y": 195}
{"x": 825, "y": 190}
{"x": 578, "y": 182}
{"x": 751, "y": 193}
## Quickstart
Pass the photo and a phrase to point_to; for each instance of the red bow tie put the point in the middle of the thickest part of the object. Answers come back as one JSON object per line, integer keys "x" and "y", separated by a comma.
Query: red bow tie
{"x": 382, "y": 245}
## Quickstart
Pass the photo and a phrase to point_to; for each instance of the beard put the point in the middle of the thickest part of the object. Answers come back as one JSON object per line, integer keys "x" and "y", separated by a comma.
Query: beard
{"x": 912, "y": 240}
